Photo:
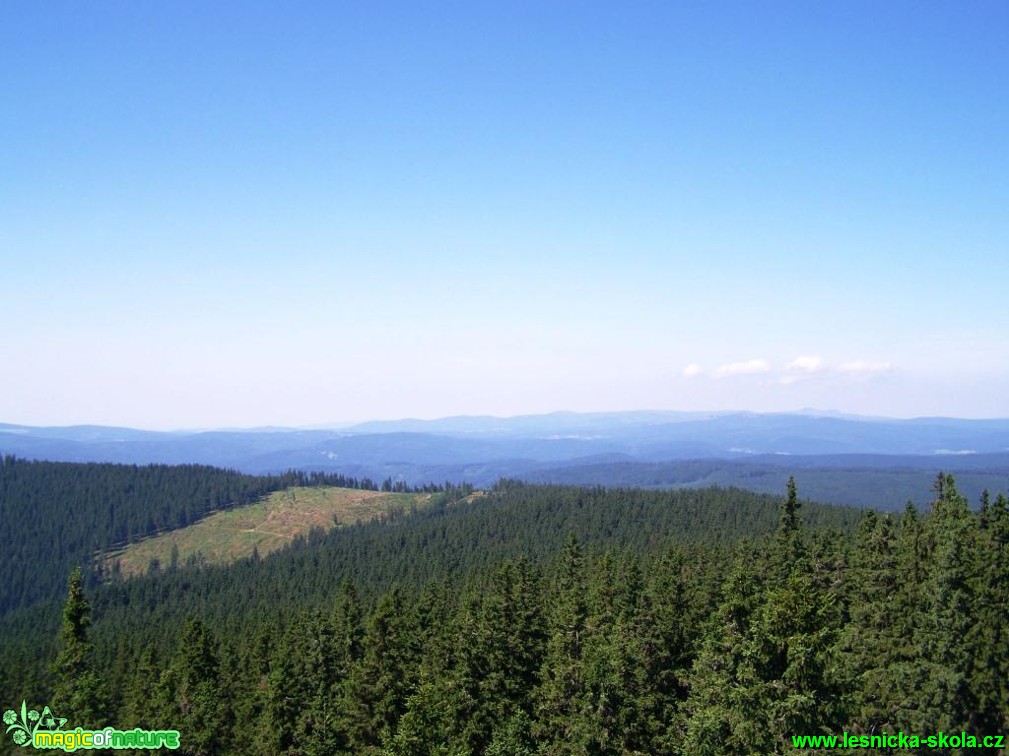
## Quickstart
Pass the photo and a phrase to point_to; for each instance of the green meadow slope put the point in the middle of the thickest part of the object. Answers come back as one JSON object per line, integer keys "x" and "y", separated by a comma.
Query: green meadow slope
{"x": 262, "y": 527}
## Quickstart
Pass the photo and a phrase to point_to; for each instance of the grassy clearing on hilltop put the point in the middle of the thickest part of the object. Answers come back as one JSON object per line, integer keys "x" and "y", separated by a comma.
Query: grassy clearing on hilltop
{"x": 264, "y": 526}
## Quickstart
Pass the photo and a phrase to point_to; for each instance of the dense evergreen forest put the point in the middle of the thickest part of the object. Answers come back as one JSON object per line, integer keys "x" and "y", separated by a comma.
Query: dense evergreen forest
{"x": 556, "y": 620}
{"x": 58, "y": 514}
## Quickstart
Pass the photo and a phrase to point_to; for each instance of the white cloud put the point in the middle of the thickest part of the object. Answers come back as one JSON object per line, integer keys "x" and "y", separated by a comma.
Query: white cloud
{"x": 749, "y": 367}
{"x": 801, "y": 368}
{"x": 806, "y": 364}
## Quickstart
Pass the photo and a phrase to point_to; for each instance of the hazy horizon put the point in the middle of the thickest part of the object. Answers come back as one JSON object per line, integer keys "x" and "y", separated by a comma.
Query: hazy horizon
{"x": 231, "y": 216}
{"x": 344, "y": 425}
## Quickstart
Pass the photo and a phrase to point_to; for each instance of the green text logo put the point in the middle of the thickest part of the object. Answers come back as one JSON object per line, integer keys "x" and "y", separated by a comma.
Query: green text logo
{"x": 45, "y": 730}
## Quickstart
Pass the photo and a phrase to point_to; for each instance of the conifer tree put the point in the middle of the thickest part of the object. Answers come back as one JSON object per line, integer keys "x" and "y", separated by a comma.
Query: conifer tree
{"x": 990, "y": 678}
{"x": 320, "y": 722}
{"x": 137, "y": 707}
{"x": 715, "y": 715}
{"x": 77, "y": 692}
{"x": 788, "y": 546}
{"x": 284, "y": 694}
{"x": 513, "y": 737}
{"x": 379, "y": 683}
{"x": 664, "y": 648}
{"x": 250, "y": 679}
{"x": 947, "y": 630}
{"x": 765, "y": 672}
{"x": 500, "y": 651}
{"x": 873, "y": 649}
{"x": 190, "y": 699}
{"x": 562, "y": 723}
{"x": 616, "y": 683}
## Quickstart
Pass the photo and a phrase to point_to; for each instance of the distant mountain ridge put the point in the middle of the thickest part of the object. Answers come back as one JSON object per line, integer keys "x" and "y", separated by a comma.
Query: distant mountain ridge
{"x": 596, "y": 448}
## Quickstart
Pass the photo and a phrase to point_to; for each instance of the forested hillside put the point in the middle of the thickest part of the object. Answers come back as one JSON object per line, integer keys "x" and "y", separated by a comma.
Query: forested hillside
{"x": 541, "y": 619}
{"x": 883, "y": 483}
{"x": 56, "y": 515}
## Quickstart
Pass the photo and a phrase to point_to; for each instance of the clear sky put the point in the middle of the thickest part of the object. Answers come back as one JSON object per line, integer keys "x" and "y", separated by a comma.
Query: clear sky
{"x": 238, "y": 214}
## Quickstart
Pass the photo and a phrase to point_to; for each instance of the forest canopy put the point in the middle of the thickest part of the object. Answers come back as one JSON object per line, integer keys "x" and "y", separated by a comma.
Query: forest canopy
{"x": 555, "y": 619}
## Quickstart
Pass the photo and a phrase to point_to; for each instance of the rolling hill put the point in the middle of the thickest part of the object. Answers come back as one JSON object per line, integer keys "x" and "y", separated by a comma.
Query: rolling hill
{"x": 656, "y": 449}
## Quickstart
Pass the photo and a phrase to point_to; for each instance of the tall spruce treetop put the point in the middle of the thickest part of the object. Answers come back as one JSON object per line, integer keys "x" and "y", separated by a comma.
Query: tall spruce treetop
{"x": 76, "y": 690}
{"x": 990, "y": 674}
{"x": 189, "y": 694}
{"x": 948, "y": 628}
{"x": 789, "y": 513}
{"x": 788, "y": 548}
{"x": 76, "y": 611}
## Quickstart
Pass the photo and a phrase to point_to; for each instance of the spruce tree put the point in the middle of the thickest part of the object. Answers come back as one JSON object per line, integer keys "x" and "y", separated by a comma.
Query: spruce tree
{"x": 77, "y": 692}
{"x": 137, "y": 706}
{"x": 716, "y": 716}
{"x": 562, "y": 719}
{"x": 873, "y": 647}
{"x": 948, "y": 631}
{"x": 990, "y": 677}
{"x": 765, "y": 669}
{"x": 189, "y": 695}
{"x": 376, "y": 691}
{"x": 788, "y": 547}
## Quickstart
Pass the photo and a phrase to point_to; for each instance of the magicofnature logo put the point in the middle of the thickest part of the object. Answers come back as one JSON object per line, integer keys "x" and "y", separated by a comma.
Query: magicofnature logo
{"x": 45, "y": 730}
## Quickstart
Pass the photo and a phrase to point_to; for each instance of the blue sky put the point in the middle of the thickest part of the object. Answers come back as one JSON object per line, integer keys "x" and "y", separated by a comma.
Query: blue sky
{"x": 237, "y": 214}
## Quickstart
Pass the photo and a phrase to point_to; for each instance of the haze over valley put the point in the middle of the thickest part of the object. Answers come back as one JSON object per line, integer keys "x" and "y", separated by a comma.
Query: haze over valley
{"x": 837, "y": 458}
